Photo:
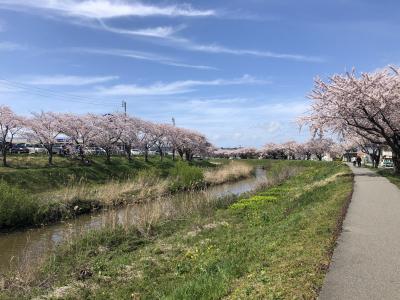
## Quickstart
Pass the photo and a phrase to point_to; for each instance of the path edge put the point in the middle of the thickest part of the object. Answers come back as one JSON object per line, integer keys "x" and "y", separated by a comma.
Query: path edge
{"x": 337, "y": 231}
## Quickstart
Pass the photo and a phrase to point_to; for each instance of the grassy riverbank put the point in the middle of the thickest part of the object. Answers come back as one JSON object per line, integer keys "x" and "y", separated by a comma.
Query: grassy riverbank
{"x": 32, "y": 193}
{"x": 389, "y": 174}
{"x": 274, "y": 244}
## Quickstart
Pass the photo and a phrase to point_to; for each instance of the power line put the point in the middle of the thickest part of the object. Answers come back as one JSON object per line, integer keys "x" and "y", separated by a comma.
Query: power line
{"x": 44, "y": 92}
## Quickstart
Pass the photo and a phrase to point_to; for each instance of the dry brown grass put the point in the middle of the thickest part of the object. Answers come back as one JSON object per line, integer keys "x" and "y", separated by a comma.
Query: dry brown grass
{"x": 112, "y": 193}
{"x": 229, "y": 172}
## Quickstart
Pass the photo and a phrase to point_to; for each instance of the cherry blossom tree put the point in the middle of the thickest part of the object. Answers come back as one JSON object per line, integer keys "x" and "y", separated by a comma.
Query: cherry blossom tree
{"x": 173, "y": 137}
{"x": 274, "y": 151}
{"x": 320, "y": 146}
{"x": 107, "y": 132}
{"x": 290, "y": 149}
{"x": 44, "y": 127}
{"x": 80, "y": 129}
{"x": 10, "y": 125}
{"x": 130, "y": 134}
{"x": 146, "y": 138}
{"x": 159, "y": 134}
{"x": 366, "y": 105}
{"x": 372, "y": 149}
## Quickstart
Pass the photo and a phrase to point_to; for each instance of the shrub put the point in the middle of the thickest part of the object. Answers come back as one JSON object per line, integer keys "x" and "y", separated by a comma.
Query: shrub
{"x": 17, "y": 208}
{"x": 185, "y": 176}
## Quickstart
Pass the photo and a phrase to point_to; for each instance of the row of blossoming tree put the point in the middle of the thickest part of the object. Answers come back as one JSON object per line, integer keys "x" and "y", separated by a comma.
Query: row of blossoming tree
{"x": 105, "y": 131}
{"x": 316, "y": 147}
{"x": 364, "y": 108}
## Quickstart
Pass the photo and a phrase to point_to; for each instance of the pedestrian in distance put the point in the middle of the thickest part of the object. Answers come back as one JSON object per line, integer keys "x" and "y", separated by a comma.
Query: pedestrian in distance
{"x": 359, "y": 161}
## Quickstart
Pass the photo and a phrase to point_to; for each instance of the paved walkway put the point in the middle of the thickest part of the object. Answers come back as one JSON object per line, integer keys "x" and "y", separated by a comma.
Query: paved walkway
{"x": 366, "y": 262}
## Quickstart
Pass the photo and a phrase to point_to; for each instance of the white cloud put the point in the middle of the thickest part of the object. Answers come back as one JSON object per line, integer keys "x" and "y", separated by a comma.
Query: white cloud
{"x": 270, "y": 127}
{"x": 177, "y": 87}
{"x": 141, "y": 56}
{"x": 106, "y": 9}
{"x": 68, "y": 80}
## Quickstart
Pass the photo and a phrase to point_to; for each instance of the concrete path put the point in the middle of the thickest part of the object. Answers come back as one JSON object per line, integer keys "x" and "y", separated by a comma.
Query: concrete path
{"x": 366, "y": 262}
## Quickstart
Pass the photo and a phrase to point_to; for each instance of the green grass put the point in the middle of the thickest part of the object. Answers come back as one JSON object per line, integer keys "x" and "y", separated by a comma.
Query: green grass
{"x": 389, "y": 174}
{"x": 186, "y": 176}
{"x": 275, "y": 244}
{"x": 16, "y": 207}
{"x": 34, "y": 175}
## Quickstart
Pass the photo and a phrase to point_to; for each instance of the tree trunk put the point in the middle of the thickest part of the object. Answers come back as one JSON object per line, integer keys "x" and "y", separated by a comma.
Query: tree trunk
{"x": 161, "y": 153}
{"x": 81, "y": 153}
{"x": 50, "y": 156}
{"x": 4, "y": 151}
{"x": 180, "y": 152}
{"x": 396, "y": 162}
{"x": 108, "y": 156}
{"x": 173, "y": 154}
{"x": 146, "y": 155}
{"x": 128, "y": 150}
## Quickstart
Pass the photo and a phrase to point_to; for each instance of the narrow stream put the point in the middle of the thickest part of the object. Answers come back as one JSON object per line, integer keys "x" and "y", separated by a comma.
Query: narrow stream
{"x": 25, "y": 247}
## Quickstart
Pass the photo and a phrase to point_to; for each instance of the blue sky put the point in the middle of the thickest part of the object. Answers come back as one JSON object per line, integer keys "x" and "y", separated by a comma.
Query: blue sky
{"x": 238, "y": 70}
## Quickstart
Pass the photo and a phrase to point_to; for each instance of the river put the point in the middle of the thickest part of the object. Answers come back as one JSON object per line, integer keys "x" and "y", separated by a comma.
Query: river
{"x": 26, "y": 247}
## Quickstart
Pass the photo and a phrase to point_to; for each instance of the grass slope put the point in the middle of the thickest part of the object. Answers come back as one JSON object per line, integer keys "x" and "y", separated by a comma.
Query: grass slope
{"x": 389, "y": 174}
{"x": 31, "y": 173}
{"x": 275, "y": 244}
{"x": 29, "y": 189}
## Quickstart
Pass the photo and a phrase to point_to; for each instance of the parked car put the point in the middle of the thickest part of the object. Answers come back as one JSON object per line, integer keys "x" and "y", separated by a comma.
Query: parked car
{"x": 58, "y": 149}
{"x": 36, "y": 149}
{"x": 19, "y": 148}
{"x": 387, "y": 163}
{"x": 152, "y": 152}
{"x": 95, "y": 151}
{"x": 136, "y": 152}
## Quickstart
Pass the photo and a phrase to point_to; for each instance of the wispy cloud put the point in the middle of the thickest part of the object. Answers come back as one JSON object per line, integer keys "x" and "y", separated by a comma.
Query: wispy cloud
{"x": 106, "y": 9}
{"x": 140, "y": 56}
{"x": 68, "y": 80}
{"x": 9, "y": 46}
{"x": 99, "y": 10}
{"x": 167, "y": 35}
{"x": 176, "y": 87}
{"x": 160, "y": 32}
{"x": 218, "y": 49}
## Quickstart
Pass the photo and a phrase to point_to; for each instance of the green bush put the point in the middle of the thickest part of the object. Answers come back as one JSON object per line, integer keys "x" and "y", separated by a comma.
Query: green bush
{"x": 185, "y": 176}
{"x": 17, "y": 208}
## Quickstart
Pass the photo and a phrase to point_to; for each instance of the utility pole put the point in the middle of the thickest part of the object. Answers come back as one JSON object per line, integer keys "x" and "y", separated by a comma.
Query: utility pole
{"x": 124, "y": 106}
{"x": 173, "y": 148}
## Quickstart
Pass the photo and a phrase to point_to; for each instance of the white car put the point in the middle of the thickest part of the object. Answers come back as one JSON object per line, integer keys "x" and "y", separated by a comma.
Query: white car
{"x": 135, "y": 152}
{"x": 36, "y": 149}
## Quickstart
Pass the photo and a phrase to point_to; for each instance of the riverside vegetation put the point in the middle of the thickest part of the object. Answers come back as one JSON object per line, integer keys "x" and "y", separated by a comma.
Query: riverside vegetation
{"x": 274, "y": 243}
{"x": 33, "y": 193}
{"x": 391, "y": 175}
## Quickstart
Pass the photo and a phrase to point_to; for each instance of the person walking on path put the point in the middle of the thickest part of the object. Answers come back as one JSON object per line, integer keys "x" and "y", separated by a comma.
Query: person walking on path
{"x": 366, "y": 261}
{"x": 359, "y": 161}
